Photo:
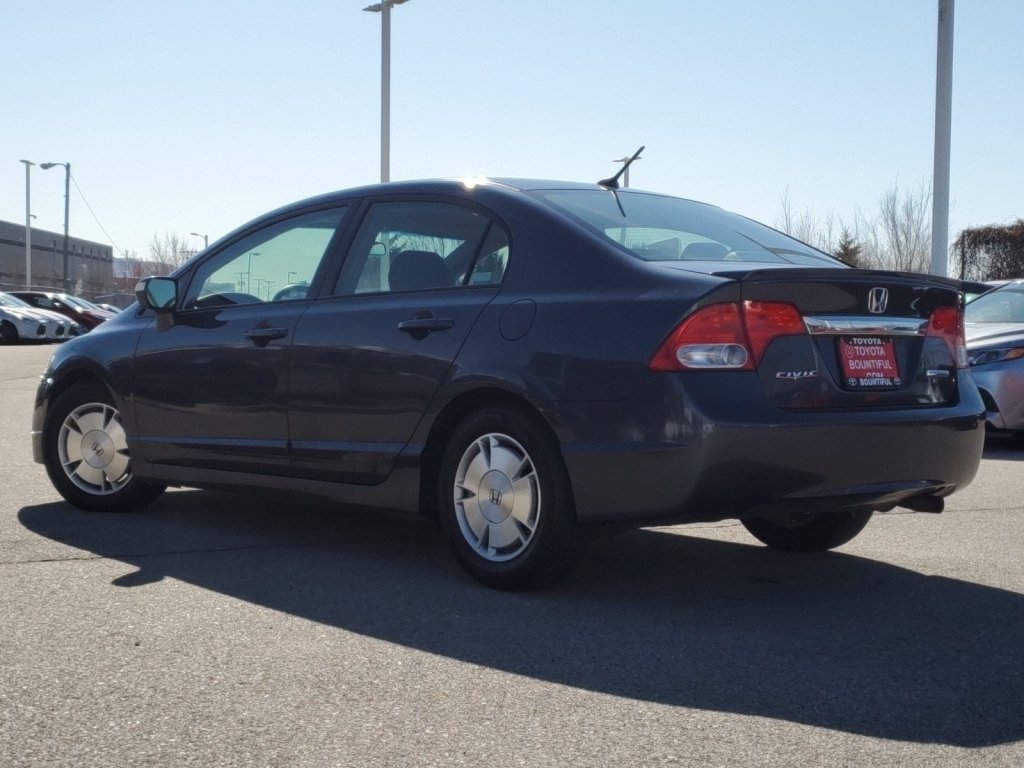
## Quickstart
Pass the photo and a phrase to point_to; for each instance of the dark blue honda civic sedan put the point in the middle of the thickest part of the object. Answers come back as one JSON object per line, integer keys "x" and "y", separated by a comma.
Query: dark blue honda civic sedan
{"x": 523, "y": 360}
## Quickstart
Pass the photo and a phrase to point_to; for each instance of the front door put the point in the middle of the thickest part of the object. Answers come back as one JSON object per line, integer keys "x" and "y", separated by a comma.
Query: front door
{"x": 210, "y": 386}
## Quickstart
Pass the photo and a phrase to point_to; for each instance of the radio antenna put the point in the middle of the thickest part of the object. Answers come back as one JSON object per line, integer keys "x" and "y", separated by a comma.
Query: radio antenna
{"x": 613, "y": 182}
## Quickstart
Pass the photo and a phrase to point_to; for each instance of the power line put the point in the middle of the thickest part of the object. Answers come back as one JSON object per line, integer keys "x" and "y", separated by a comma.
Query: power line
{"x": 95, "y": 218}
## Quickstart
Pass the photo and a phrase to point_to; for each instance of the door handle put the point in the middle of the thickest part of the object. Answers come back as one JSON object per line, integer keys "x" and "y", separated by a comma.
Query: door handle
{"x": 261, "y": 336}
{"x": 424, "y": 323}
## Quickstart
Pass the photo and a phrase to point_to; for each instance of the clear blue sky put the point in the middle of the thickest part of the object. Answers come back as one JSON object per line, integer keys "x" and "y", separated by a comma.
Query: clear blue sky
{"x": 197, "y": 116}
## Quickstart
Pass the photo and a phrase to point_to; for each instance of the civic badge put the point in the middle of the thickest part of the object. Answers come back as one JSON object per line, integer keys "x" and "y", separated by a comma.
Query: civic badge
{"x": 878, "y": 300}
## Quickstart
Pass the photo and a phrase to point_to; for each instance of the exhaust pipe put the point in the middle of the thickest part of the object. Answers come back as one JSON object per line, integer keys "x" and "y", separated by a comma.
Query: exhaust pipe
{"x": 927, "y": 503}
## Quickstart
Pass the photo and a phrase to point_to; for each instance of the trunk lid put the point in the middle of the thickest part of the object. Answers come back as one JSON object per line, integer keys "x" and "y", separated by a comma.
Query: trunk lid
{"x": 873, "y": 338}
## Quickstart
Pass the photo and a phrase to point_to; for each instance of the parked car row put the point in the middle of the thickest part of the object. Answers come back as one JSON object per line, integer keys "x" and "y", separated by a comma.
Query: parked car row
{"x": 47, "y": 316}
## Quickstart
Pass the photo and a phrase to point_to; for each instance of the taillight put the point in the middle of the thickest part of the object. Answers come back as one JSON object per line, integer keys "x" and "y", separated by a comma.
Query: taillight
{"x": 767, "y": 320}
{"x": 729, "y": 336}
{"x": 947, "y": 323}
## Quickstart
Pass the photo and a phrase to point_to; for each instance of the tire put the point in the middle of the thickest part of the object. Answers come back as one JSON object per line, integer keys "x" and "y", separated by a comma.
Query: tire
{"x": 8, "y": 334}
{"x": 505, "y": 502}
{"x": 85, "y": 451}
{"x": 812, "y": 533}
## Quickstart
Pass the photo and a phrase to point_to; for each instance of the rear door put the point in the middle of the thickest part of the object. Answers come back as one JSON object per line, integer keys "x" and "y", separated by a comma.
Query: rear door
{"x": 368, "y": 359}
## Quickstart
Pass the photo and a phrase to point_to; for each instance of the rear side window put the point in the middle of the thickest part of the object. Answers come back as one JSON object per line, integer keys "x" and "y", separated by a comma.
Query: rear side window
{"x": 417, "y": 246}
{"x": 490, "y": 266}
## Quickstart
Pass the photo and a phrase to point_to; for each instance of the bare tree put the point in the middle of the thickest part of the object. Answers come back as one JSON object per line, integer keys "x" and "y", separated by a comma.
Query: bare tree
{"x": 133, "y": 265}
{"x": 169, "y": 251}
{"x": 897, "y": 236}
{"x": 904, "y": 220}
{"x": 785, "y": 220}
{"x": 808, "y": 227}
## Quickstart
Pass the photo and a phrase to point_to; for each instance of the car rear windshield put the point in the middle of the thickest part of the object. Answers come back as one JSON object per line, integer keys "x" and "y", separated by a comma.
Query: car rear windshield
{"x": 660, "y": 228}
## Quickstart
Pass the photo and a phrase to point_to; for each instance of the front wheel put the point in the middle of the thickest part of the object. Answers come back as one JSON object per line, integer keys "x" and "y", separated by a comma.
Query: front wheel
{"x": 505, "y": 501}
{"x": 8, "y": 333}
{"x": 85, "y": 450}
{"x": 810, "y": 533}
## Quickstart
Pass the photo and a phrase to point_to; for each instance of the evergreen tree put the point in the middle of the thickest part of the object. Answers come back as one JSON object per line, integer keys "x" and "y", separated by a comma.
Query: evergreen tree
{"x": 849, "y": 251}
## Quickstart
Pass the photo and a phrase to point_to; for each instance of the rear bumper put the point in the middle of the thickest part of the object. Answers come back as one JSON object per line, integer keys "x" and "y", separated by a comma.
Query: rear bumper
{"x": 735, "y": 455}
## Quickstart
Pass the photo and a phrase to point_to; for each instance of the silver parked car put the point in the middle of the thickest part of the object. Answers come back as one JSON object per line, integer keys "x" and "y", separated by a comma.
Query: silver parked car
{"x": 995, "y": 347}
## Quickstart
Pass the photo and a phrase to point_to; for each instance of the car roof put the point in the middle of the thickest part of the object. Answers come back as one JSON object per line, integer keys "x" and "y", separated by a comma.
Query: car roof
{"x": 459, "y": 185}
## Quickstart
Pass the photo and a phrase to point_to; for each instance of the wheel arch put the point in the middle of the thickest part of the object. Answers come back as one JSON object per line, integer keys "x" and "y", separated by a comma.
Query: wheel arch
{"x": 77, "y": 373}
{"x": 455, "y": 411}
{"x": 8, "y": 332}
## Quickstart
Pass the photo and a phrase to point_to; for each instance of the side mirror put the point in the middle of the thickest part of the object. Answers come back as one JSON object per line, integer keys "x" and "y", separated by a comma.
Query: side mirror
{"x": 157, "y": 293}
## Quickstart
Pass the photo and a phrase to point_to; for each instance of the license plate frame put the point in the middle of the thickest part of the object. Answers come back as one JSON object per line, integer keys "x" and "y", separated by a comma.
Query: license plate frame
{"x": 868, "y": 362}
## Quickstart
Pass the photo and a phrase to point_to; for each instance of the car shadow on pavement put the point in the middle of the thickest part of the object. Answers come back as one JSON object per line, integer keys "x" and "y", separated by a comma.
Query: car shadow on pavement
{"x": 1006, "y": 448}
{"x": 831, "y": 640}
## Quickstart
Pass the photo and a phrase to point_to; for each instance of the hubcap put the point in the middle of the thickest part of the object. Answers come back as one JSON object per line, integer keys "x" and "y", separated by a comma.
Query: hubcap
{"x": 497, "y": 497}
{"x": 93, "y": 449}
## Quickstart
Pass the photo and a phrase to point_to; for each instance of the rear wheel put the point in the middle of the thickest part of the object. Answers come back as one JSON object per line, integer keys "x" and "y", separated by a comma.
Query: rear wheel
{"x": 810, "y": 533}
{"x": 505, "y": 502}
{"x": 85, "y": 450}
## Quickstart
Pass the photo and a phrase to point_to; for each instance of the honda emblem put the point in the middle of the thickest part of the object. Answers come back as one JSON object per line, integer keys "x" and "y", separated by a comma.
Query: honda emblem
{"x": 878, "y": 299}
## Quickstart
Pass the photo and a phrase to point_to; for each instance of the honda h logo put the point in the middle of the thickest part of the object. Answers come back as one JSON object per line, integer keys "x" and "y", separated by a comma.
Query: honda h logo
{"x": 878, "y": 299}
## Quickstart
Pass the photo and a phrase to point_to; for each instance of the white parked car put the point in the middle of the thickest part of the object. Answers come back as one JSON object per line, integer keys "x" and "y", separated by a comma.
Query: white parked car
{"x": 58, "y": 328}
{"x": 16, "y": 325}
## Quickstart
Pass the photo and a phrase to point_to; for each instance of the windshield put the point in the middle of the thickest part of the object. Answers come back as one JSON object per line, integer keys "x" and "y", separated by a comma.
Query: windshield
{"x": 78, "y": 301}
{"x": 1001, "y": 305}
{"x": 659, "y": 228}
{"x": 13, "y": 301}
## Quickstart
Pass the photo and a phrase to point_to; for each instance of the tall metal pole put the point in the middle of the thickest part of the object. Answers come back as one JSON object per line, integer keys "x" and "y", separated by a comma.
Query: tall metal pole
{"x": 385, "y": 93}
{"x": 67, "y": 208}
{"x": 384, "y": 9}
{"x": 625, "y": 176}
{"x": 28, "y": 223}
{"x": 943, "y": 131}
{"x": 67, "y": 202}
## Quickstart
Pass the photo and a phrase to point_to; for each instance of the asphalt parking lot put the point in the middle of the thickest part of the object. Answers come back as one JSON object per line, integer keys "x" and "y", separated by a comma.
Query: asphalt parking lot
{"x": 217, "y": 630}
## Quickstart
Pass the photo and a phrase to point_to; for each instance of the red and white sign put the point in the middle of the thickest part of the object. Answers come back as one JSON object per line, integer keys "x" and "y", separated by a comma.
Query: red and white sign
{"x": 868, "y": 362}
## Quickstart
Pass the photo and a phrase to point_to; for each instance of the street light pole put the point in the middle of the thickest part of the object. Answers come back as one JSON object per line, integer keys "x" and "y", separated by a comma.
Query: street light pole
{"x": 28, "y": 223}
{"x": 206, "y": 239}
{"x": 384, "y": 9}
{"x": 67, "y": 203}
{"x": 625, "y": 176}
{"x": 248, "y": 273}
{"x": 943, "y": 132}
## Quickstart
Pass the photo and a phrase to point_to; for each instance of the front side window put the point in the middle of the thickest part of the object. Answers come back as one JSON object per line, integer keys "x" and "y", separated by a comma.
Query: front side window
{"x": 276, "y": 263}
{"x": 420, "y": 246}
{"x": 660, "y": 228}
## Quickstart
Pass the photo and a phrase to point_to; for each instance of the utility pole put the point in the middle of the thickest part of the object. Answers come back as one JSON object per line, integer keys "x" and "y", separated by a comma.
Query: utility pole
{"x": 28, "y": 223}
